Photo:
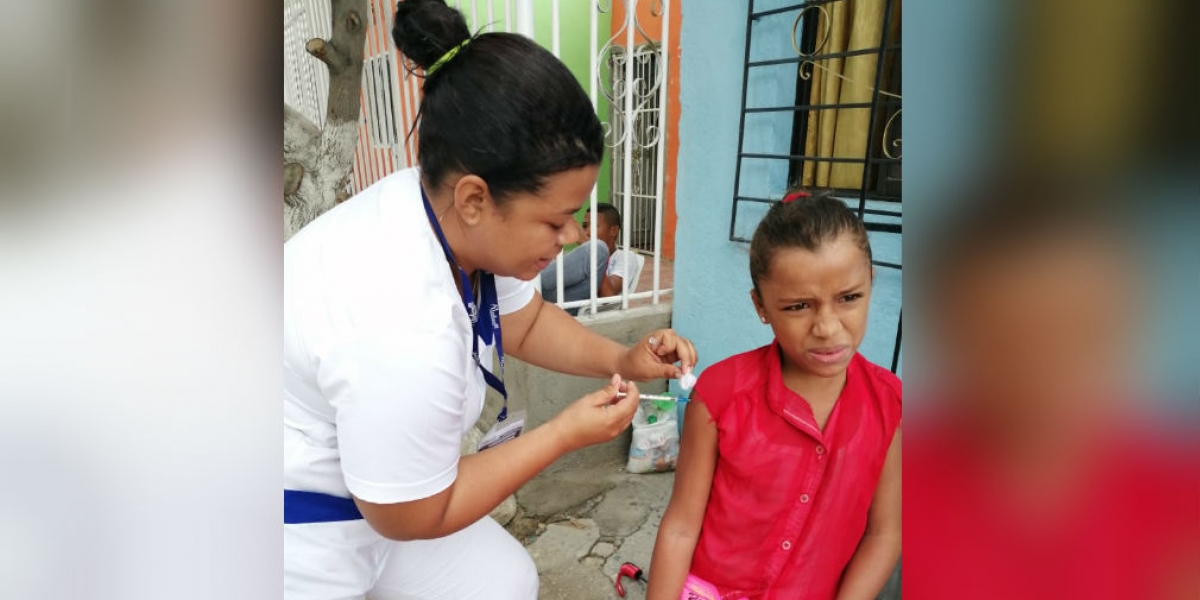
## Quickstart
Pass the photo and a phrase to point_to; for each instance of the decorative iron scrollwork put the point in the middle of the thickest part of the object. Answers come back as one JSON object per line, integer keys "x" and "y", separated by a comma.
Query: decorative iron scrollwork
{"x": 640, "y": 90}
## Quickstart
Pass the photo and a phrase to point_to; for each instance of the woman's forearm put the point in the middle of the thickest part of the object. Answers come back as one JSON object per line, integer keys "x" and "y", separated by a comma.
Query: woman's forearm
{"x": 870, "y": 567}
{"x": 558, "y": 342}
{"x": 486, "y": 478}
{"x": 546, "y": 336}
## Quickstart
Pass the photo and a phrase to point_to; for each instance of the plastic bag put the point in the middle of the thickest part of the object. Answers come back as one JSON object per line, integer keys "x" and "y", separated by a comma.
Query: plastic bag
{"x": 655, "y": 445}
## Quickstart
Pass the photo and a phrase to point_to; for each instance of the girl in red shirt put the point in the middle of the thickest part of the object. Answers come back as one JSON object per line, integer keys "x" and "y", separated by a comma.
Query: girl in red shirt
{"x": 788, "y": 480}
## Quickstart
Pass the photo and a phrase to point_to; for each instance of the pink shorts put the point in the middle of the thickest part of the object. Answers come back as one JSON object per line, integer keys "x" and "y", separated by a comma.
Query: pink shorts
{"x": 695, "y": 588}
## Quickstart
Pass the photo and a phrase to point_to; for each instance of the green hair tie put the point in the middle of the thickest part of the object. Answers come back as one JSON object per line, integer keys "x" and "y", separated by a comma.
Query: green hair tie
{"x": 447, "y": 57}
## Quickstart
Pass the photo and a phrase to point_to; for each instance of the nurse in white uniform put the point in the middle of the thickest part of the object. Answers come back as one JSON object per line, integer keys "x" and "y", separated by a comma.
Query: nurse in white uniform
{"x": 396, "y": 302}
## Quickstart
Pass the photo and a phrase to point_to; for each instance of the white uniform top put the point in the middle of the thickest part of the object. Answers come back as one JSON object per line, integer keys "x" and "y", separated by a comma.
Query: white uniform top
{"x": 378, "y": 381}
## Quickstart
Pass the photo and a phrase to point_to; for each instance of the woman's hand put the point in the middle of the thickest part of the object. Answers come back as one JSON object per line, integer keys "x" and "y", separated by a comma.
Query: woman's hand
{"x": 597, "y": 417}
{"x": 654, "y": 356}
{"x": 486, "y": 478}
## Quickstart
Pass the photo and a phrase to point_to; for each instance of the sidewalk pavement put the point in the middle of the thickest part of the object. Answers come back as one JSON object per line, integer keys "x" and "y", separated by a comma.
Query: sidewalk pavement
{"x": 579, "y": 526}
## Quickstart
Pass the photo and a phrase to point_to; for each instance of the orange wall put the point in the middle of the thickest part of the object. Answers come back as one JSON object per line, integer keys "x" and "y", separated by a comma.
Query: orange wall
{"x": 652, "y": 25}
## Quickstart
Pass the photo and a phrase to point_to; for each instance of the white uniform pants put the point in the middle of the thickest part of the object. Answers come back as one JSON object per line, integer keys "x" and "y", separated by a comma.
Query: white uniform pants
{"x": 348, "y": 560}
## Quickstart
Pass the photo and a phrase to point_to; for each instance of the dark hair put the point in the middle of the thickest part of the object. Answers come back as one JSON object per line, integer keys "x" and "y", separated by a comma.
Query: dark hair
{"x": 502, "y": 108}
{"x": 805, "y": 222}
{"x": 612, "y": 216}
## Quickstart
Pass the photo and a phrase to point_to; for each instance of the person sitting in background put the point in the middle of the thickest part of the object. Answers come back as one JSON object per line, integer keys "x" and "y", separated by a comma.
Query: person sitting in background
{"x": 614, "y": 264}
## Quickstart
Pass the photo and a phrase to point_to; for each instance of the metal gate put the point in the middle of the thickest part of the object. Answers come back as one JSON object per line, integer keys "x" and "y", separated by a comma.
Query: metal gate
{"x": 647, "y": 141}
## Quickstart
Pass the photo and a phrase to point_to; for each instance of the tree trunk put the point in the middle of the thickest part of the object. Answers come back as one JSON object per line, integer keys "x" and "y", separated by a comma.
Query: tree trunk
{"x": 318, "y": 162}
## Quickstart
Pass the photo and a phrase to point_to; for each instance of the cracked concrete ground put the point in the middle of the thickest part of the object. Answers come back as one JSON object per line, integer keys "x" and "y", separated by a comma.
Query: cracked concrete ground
{"x": 580, "y": 525}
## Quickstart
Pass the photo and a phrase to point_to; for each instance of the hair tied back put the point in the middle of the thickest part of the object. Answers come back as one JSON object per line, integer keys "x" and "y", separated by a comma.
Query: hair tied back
{"x": 447, "y": 57}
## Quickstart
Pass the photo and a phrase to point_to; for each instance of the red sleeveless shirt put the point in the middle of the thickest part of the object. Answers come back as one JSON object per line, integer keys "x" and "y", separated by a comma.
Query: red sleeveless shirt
{"x": 789, "y": 502}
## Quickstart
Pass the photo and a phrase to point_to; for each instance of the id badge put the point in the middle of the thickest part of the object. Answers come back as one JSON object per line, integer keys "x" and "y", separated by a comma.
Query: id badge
{"x": 503, "y": 431}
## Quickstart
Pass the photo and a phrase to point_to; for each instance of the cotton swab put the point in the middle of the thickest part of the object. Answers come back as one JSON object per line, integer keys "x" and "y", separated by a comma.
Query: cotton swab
{"x": 687, "y": 380}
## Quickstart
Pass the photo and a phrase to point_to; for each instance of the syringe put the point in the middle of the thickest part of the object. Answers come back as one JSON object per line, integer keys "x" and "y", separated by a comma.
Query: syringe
{"x": 657, "y": 397}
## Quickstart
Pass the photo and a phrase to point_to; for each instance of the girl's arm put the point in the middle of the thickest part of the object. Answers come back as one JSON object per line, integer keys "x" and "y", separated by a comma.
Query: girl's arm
{"x": 544, "y": 335}
{"x": 879, "y": 549}
{"x": 680, "y": 527}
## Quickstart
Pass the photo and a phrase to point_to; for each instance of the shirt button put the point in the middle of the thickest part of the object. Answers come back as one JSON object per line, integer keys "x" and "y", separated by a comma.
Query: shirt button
{"x": 804, "y": 498}
{"x": 820, "y": 449}
{"x": 787, "y": 545}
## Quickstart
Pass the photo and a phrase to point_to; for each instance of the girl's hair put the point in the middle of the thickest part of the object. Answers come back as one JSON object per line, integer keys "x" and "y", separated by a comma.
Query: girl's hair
{"x": 502, "y": 107}
{"x": 803, "y": 220}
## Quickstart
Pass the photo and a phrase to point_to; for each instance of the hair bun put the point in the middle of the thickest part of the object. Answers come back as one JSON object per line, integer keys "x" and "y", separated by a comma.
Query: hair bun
{"x": 424, "y": 30}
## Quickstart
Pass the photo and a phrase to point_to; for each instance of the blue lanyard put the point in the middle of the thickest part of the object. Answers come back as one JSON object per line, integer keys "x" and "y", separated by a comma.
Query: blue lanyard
{"x": 487, "y": 328}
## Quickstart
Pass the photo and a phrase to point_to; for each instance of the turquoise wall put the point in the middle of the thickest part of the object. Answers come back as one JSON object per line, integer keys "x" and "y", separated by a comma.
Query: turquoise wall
{"x": 712, "y": 280}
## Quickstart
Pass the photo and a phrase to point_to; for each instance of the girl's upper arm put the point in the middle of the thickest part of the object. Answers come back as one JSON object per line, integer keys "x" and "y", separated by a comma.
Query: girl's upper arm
{"x": 694, "y": 470}
{"x": 884, "y": 516}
